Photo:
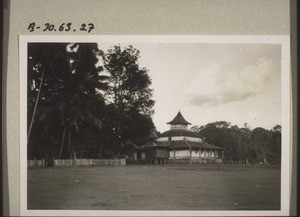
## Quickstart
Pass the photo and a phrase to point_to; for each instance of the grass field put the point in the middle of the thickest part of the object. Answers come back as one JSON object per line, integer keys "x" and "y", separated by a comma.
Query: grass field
{"x": 159, "y": 187}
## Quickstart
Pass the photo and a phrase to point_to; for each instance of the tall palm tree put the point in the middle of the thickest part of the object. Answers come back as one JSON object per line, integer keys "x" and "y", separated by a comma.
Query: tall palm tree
{"x": 68, "y": 89}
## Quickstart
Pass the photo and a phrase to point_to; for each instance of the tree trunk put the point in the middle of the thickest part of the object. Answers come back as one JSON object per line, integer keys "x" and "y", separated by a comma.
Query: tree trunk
{"x": 36, "y": 103}
{"x": 100, "y": 151}
{"x": 69, "y": 142}
{"x": 265, "y": 160}
{"x": 62, "y": 141}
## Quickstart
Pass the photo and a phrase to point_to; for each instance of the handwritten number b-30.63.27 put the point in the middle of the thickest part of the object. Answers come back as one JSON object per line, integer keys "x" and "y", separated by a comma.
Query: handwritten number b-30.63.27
{"x": 62, "y": 27}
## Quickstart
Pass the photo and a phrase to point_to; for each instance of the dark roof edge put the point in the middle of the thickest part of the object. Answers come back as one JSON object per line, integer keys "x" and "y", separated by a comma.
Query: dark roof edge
{"x": 179, "y": 119}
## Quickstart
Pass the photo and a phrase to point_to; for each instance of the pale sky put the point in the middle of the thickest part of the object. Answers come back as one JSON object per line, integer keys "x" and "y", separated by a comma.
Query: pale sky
{"x": 238, "y": 83}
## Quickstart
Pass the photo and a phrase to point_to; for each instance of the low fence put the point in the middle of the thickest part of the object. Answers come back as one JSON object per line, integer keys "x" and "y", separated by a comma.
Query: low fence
{"x": 89, "y": 162}
{"x": 176, "y": 161}
{"x": 196, "y": 161}
{"x": 36, "y": 163}
{"x": 116, "y": 162}
{"x": 78, "y": 162}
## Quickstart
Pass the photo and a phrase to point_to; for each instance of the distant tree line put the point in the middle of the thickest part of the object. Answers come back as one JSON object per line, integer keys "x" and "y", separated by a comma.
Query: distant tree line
{"x": 84, "y": 102}
{"x": 243, "y": 145}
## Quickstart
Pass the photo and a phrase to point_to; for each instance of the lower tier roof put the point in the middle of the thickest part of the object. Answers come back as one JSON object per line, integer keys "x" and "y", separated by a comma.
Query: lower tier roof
{"x": 181, "y": 144}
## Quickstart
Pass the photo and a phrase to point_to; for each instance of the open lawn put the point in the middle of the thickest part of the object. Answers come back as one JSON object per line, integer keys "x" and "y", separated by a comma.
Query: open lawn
{"x": 155, "y": 187}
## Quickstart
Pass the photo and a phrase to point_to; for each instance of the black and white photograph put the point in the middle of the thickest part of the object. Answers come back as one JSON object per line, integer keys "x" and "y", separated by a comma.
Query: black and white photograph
{"x": 164, "y": 125}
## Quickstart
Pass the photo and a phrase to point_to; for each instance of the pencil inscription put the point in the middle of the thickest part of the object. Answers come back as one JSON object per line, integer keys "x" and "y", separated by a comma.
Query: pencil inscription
{"x": 63, "y": 27}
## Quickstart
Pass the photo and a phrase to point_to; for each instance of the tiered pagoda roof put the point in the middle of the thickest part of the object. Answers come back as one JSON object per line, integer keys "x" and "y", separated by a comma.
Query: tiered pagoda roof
{"x": 179, "y": 119}
{"x": 177, "y": 144}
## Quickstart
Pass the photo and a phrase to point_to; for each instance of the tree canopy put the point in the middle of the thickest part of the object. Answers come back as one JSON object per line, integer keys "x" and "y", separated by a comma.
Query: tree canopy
{"x": 74, "y": 107}
{"x": 67, "y": 99}
{"x": 243, "y": 145}
{"x": 129, "y": 99}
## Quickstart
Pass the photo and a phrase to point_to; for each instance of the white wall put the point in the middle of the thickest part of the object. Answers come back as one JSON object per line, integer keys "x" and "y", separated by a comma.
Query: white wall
{"x": 162, "y": 139}
{"x": 179, "y": 127}
{"x": 180, "y": 154}
{"x": 195, "y": 154}
{"x": 193, "y": 139}
{"x": 177, "y": 138}
{"x": 171, "y": 154}
{"x": 206, "y": 154}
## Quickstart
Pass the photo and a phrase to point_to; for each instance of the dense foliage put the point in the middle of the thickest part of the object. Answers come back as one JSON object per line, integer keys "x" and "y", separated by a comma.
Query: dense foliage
{"x": 129, "y": 100}
{"x": 75, "y": 108}
{"x": 243, "y": 145}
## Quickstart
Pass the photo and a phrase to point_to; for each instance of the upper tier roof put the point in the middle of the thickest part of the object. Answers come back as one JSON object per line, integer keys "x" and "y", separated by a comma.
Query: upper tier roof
{"x": 179, "y": 119}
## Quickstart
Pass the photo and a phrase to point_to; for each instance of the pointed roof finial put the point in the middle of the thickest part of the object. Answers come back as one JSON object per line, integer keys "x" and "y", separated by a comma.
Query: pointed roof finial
{"x": 179, "y": 119}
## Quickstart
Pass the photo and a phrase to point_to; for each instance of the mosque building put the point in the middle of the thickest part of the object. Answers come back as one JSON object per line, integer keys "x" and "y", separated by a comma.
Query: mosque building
{"x": 178, "y": 145}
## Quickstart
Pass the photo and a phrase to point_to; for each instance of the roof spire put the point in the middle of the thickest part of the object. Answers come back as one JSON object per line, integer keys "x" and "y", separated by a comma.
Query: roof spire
{"x": 179, "y": 119}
